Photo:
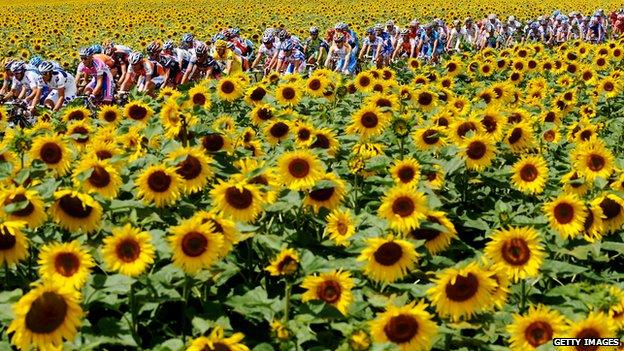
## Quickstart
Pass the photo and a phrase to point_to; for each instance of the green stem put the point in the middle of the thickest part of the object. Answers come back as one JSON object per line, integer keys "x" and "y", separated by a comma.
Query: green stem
{"x": 133, "y": 311}
{"x": 7, "y": 273}
{"x": 287, "y": 300}
{"x": 523, "y": 296}
{"x": 355, "y": 194}
{"x": 185, "y": 295}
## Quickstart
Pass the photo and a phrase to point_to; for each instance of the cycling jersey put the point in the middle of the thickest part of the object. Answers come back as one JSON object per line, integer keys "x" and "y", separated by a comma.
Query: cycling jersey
{"x": 32, "y": 79}
{"x": 373, "y": 45}
{"x": 61, "y": 80}
{"x": 99, "y": 69}
{"x": 106, "y": 59}
{"x": 147, "y": 69}
{"x": 229, "y": 55}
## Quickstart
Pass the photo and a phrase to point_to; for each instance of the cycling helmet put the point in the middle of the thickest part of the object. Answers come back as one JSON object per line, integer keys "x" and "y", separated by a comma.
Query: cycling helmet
{"x": 413, "y": 23}
{"x": 168, "y": 45}
{"x": 187, "y": 38}
{"x": 135, "y": 57}
{"x": 46, "y": 66}
{"x": 35, "y": 61}
{"x": 154, "y": 47}
{"x": 7, "y": 63}
{"x": 390, "y": 23}
{"x": 18, "y": 66}
{"x": 220, "y": 44}
{"x": 287, "y": 45}
{"x": 378, "y": 27}
{"x": 341, "y": 26}
{"x": 86, "y": 51}
{"x": 97, "y": 48}
{"x": 235, "y": 31}
{"x": 201, "y": 50}
{"x": 217, "y": 37}
{"x": 404, "y": 31}
{"x": 314, "y": 30}
{"x": 282, "y": 34}
{"x": 267, "y": 39}
{"x": 370, "y": 31}
{"x": 339, "y": 38}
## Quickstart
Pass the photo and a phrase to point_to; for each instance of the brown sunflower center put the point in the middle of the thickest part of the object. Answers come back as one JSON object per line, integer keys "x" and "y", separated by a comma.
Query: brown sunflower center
{"x": 406, "y": 174}
{"x": 103, "y": 154}
{"x": 194, "y": 244}
{"x": 199, "y": 99}
{"x": 388, "y": 253}
{"x": 587, "y": 333}
{"x": 329, "y": 291}
{"x": 264, "y": 113}
{"x": 128, "y": 250}
{"x": 239, "y": 199}
{"x": 217, "y": 346}
{"x": 465, "y": 128}
{"x": 550, "y": 117}
{"x": 288, "y": 93}
{"x": 426, "y": 233}
{"x": 403, "y": 206}
{"x": 538, "y": 333}
{"x": 257, "y": 94}
{"x": 314, "y": 84}
{"x": 430, "y": 136}
{"x": 589, "y": 220}
{"x": 82, "y": 132}
{"x": 528, "y": 173}
{"x": 26, "y": 211}
{"x": 514, "y": 136}
{"x": 287, "y": 265}
{"x": 7, "y": 240}
{"x": 213, "y": 142}
{"x": 76, "y": 115}
{"x": 608, "y": 86}
{"x": 425, "y": 98}
{"x": 321, "y": 142}
{"x": 303, "y": 134}
{"x": 227, "y": 87}
{"x": 110, "y": 116}
{"x": 279, "y": 130}
{"x": 401, "y": 329}
{"x": 369, "y": 120}
{"x": 585, "y": 135}
{"x": 516, "y": 252}
{"x": 610, "y": 208}
{"x": 73, "y": 207}
{"x": 383, "y": 102}
{"x": 66, "y": 264}
{"x": 159, "y": 181}
{"x": 322, "y": 194}
{"x": 137, "y": 112}
{"x": 549, "y": 135}
{"x": 364, "y": 81}
{"x": 299, "y": 168}
{"x": 46, "y": 314}
{"x": 463, "y": 289}
{"x": 596, "y": 162}
{"x": 564, "y": 213}
{"x": 476, "y": 150}
{"x": 51, "y": 153}
{"x": 100, "y": 177}
{"x": 190, "y": 168}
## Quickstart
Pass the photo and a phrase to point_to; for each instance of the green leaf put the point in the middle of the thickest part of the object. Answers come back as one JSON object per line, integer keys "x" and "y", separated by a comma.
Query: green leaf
{"x": 255, "y": 305}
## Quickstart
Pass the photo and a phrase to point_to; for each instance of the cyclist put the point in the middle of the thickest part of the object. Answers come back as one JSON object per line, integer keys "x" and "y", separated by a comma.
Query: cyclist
{"x": 229, "y": 62}
{"x": 7, "y": 77}
{"x": 312, "y": 45}
{"x": 33, "y": 89}
{"x": 119, "y": 54}
{"x": 387, "y": 49}
{"x": 200, "y": 65}
{"x": 338, "y": 55}
{"x": 290, "y": 59}
{"x": 266, "y": 52}
{"x": 405, "y": 47}
{"x": 351, "y": 39}
{"x": 145, "y": 74}
{"x": 171, "y": 65}
{"x": 62, "y": 85}
{"x": 371, "y": 48}
{"x": 102, "y": 85}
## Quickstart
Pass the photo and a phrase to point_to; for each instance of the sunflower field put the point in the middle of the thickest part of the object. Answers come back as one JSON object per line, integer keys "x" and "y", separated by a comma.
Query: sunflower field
{"x": 473, "y": 205}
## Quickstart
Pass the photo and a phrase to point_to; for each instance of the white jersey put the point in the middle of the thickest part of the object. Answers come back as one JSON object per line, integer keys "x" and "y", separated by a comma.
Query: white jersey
{"x": 263, "y": 50}
{"x": 61, "y": 79}
{"x": 31, "y": 79}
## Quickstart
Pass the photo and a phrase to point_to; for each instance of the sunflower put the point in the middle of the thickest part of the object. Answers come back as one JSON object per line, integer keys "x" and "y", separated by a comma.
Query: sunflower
{"x": 79, "y": 132}
{"x": 493, "y": 123}
{"x": 256, "y": 94}
{"x": 193, "y": 167}
{"x": 595, "y": 326}
{"x": 102, "y": 150}
{"x": 501, "y": 291}
{"x": 97, "y": 176}
{"x": 199, "y": 96}
{"x": 340, "y": 226}
{"x": 46, "y": 315}
{"x": 315, "y": 86}
{"x": 26, "y": 205}
{"x": 222, "y": 226}
{"x": 13, "y": 243}
{"x": 535, "y": 328}
{"x": 328, "y": 192}
{"x": 609, "y": 87}
{"x": 612, "y": 207}
{"x": 461, "y": 292}
{"x": 566, "y": 215}
{"x": 574, "y": 183}
{"x": 262, "y": 113}
{"x": 426, "y": 100}
{"x": 76, "y": 114}
{"x": 520, "y": 137}
{"x": 215, "y": 142}
{"x": 128, "y": 251}
{"x": 368, "y": 121}
{"x": 53, "y": 151}
{"x": 437, "y": 238}
{"x": 285, "y": 263}
{"x": 110, "y": 114}
{"x": 303, "y": 133}
{"x": 518, "y": 250}
{"x": 195, "y": 245}
{"x": 410, "y": 327}
{"x": 277, "y": 131}
{"x": 138, "y": 111}
{"x": 593, "y": 160}
{"x": 75, "y": 211}
{"x": 388, "y": 260}
{"x": 406, "y": 171}
{"x": 403, "y": 208}
{"x": 530, "y": 174}
{"x": 385, "y": 102}
{"x": 325, "y": 139}
{"x": 258, "y": 173}
{"x": 300, "y": 169}
{"x": 216, "y": 341}
{"x": 334, "y": 288}
{"x": 288, "y": 94}
{"x": 364, "y": 81}
{"x": 359, "y": 341}
{"x": 429, "y": 138}
{"x": 463, "y": 128}
{"x": 478, "y": 152}
{"x": 165, "y": 93}
{"x": 65, "y": 263}
{"x": 238, "y": 199}
{"x": 159, "y": 184}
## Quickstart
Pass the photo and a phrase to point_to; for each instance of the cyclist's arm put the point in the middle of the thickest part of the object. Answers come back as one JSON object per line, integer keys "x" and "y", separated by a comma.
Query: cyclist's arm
{"x": 190, "y": 71}
{"x": 61, "y": 99}
{"x": 364, "y": 51}
{"x": 256, "y": 60}
{"x": 347, "y": 54}
{"x": 329, "y": 54}
{"x": 124, "y": 73}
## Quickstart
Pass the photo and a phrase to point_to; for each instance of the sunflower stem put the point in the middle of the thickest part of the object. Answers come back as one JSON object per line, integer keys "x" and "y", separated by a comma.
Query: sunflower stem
{"x": 287, "y": 289}
{"x": 7, "y": 273}
{"x": 133, "y": 312}
{"x": 185, "y": 295}
{"x": 523, "y": 296}
{"x": 355, "y": 194}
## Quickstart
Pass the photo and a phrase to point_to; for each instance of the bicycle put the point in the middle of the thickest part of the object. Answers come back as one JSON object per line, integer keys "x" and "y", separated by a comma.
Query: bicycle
{"x": 19, "y": 115}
